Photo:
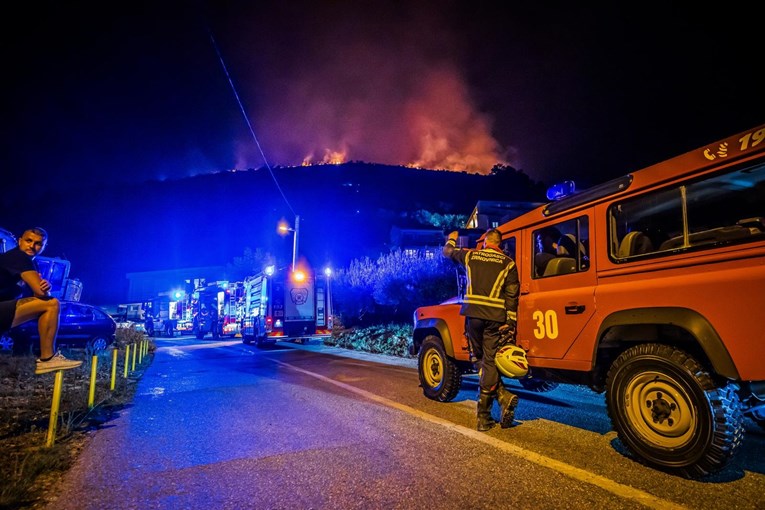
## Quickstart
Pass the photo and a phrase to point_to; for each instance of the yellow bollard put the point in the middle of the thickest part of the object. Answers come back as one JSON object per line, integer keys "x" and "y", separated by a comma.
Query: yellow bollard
{"x": 58, "y": 382}
{"x": 114, "y": 368}
{"x": 127, "y": 357}
{"x": 132, "y": 366}
{"x": 93, "y": 373}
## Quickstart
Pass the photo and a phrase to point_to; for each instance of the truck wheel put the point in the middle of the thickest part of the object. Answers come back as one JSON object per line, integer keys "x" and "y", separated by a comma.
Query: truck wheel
{"x": 440, "y": 377}
{"x": 246, "y": 340}
{"x": 537, "y": 385}
{"x": 669, "y": 413}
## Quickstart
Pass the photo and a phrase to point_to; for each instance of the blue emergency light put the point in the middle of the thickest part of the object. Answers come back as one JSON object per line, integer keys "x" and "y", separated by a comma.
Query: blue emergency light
{"x": 561, "y": 190}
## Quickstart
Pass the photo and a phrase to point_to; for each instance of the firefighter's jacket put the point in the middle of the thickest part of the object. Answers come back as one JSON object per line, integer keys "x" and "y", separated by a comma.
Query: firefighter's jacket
{"x": 492, "y": 282}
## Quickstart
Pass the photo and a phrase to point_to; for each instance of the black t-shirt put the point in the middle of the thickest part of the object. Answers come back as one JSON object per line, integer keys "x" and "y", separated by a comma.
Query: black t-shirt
{"x": 12, "y": 264}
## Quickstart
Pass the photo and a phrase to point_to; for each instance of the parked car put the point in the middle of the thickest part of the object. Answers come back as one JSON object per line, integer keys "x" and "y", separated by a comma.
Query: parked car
{"x": 123, "y": 323}
{"x": 80, "y": 325}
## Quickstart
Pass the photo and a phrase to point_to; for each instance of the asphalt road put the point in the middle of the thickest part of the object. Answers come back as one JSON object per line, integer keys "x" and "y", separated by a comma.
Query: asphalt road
{"x": 222, "y": 425}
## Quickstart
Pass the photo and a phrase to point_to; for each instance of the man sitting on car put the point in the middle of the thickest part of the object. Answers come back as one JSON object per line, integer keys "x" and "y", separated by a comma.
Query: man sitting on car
{"x": 18, "y": 269}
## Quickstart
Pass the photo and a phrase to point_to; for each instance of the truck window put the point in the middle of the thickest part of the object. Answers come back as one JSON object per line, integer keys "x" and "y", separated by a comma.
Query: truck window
{"x": 508, "y": 247}
{"x": 561, "y": 248}
{"x": 722, "y": 209}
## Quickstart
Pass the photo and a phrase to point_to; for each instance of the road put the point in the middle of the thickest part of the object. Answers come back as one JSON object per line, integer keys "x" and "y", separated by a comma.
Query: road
{"x": 223, "y": 425}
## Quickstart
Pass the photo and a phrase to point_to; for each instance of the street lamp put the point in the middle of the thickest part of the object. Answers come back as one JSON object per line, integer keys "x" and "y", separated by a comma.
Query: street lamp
{"x": 284, "y": 229}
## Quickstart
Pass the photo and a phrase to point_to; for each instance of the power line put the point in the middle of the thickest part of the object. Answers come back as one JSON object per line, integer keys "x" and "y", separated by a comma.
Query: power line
{"x": 247, "y": 120}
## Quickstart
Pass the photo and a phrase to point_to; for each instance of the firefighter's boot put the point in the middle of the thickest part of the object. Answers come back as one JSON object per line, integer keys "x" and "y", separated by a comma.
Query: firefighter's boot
{"x": 485, "y": 401}
{"x": 507, "y": 404}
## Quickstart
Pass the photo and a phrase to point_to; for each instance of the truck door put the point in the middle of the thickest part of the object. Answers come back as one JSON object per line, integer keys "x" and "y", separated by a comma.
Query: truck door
{"x": 557, "y": 287}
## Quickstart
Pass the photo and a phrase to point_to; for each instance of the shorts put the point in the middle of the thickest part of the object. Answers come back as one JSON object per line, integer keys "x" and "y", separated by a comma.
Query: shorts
{"x": 7, "y": 312}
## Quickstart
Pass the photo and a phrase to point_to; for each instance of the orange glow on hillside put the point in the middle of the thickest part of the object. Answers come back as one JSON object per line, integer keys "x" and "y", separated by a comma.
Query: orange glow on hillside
{"x": 330, "y": 158}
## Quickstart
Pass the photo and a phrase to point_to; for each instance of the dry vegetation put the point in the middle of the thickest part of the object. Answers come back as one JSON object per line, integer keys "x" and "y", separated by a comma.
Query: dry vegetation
{"x": 29, "y": 467}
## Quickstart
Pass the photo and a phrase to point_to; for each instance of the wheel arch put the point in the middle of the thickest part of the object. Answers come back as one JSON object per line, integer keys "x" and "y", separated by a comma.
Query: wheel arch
{"x": 698, "y": 328}
{"x": 433, "y": 326}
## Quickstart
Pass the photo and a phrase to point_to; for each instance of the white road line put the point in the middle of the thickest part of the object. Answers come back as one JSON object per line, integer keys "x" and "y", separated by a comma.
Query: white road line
{"x": 194, "y": 347}
{"x": 621, "y": 490}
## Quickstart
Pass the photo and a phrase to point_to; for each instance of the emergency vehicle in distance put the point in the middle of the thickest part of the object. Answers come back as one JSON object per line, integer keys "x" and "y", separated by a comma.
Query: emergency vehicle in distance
{"x": 216, "y": 309}
{"x": 282, "y": 304}
{"x": 167, "y": 314}
{"x": 652, "y": 294}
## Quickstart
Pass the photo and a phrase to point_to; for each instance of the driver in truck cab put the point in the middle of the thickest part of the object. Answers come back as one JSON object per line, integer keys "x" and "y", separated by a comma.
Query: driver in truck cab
{"x": 490, "y": 303}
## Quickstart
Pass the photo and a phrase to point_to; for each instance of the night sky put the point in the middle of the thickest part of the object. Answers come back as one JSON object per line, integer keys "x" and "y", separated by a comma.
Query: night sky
{"x": 116, "y": 92}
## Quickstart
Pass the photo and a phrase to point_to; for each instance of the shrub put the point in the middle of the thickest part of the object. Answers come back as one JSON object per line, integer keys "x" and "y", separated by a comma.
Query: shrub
{"x": 390, "y": 339}
{"x": 127, "y": 336}
{"x": 390, "y": 288}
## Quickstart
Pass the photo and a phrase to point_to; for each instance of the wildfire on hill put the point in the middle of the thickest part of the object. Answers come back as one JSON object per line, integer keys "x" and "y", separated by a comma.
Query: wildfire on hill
{"x": 365, "y": 99}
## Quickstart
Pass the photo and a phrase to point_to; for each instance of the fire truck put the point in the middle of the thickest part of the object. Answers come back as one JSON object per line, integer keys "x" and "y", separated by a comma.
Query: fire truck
{"x": 217, "y": 309}
{"x": 170, "y": 314}
{"x": 282, "y": 304}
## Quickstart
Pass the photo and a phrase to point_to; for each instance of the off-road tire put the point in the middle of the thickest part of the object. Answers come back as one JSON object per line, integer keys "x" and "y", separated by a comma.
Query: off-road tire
{"x": 537, "y": 385}
{"x": 440, "y": 376}
{"x": 670, "y": 414}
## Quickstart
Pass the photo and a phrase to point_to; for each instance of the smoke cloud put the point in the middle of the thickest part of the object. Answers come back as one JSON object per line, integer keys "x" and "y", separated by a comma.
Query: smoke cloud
{"x": 365, "y": 87}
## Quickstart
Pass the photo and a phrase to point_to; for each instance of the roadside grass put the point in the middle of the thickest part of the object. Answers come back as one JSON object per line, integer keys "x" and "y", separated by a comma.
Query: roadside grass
{"x": 29, "y": 467}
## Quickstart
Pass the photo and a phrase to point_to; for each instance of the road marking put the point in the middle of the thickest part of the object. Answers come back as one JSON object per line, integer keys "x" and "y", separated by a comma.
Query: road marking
{"x": 194, "y": 347}
{"x": 621, "y": 490}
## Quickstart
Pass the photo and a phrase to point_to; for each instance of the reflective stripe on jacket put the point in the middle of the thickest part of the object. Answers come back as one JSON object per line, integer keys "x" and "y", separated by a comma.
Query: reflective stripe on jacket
{"x": 492, "y": 283}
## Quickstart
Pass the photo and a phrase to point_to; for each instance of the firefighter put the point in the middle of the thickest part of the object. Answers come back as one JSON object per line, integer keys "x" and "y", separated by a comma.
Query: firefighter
{"x": 490, "y": 303}
{"x": 149, "y": 324}
{"x": 214, "y": 322}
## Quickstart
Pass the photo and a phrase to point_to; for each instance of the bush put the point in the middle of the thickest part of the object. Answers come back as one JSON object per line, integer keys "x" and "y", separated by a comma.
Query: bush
{"x": 127, "y": 336}
{"x": 391, "y": 339}
{"x": 391, "y": 288}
